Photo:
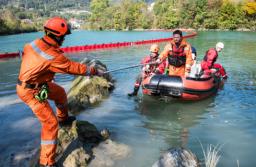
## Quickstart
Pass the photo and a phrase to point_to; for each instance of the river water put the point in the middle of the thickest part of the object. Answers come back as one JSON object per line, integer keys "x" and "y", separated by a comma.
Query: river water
{"x": 148, "y": 126}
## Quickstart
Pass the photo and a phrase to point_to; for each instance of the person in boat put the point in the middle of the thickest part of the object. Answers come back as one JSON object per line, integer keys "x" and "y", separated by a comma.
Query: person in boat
{"x": 194, "y": 54}
{"x": 162, "y": 66}
{"x": 41, "y": 60}
{"x": 208, "y": 65}
{"x": 147, "y": 69}
{"x": 178, "y": 54}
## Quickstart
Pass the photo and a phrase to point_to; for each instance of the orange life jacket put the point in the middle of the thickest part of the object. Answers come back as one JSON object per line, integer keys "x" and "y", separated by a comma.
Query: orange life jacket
{"x": 177, "y": 56}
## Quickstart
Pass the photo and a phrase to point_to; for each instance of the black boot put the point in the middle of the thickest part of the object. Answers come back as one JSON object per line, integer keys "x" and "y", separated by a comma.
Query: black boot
{"x": 68, "y": 121}
{"x": 54, "y": 165}
{"x": 135, "y": 92}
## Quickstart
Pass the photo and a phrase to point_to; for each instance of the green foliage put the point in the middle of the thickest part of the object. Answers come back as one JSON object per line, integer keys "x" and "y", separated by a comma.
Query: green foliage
{"x": 166, "y": 14}
{"x": 211, "y": 20}
{"x": 9, "y": 24}
{"x": 230, "y": 17}
{"x": 250, "y": 8}
{"x": 99, "y": 13}
{"x": 124, "y": 15}
{"x": 29, "y": 15}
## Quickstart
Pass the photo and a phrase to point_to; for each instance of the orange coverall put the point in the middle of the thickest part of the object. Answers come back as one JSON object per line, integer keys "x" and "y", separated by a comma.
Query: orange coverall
{"x": 41, "y": 60}
{"x": 178, "y": 71}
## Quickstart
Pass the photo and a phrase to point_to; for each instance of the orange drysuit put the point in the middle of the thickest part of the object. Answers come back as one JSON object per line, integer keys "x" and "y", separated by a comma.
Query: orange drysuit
{"x": 41, "y": 60}
{"x": 181, "y": 56}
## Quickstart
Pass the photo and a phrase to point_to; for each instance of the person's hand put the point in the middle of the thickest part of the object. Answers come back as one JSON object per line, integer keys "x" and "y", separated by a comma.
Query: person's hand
{"x": 187, "y": 74}
{"x": 225, "y": 77}
{"x": 90, "y": 70}
{"x": 213, "y": 70}
{"x": 94, "y": 70}
{"x": 146, "y": 68}
{"x": 157, "y": 71}
{"x": 99, "y": 72}
{"x": 158, "y": 61}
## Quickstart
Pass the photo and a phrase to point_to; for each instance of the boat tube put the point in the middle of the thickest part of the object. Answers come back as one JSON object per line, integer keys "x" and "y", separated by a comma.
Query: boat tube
{"x": 186, "y": 88}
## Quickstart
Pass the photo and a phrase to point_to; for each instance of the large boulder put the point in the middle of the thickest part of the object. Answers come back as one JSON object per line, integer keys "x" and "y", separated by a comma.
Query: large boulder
{"x": 108, "y": 152}
{"x": 177, "y": 157}
{"x": 82, "y": 144}
{"x": 87, "y": 90}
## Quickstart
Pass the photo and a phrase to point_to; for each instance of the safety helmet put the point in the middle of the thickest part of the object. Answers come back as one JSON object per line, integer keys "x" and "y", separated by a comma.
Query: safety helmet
{"x": 154, "y": 48}
{"x": 57, "y": 26}
{"x": 220, "y": 45}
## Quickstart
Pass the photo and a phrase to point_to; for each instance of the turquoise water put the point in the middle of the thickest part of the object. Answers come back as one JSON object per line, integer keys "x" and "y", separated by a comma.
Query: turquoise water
{"x": 13, "y": 43}
{"x": 150, "y": 126}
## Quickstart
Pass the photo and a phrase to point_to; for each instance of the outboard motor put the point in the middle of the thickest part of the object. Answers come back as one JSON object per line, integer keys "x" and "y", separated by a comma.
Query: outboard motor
{"x": 165, "y": 85}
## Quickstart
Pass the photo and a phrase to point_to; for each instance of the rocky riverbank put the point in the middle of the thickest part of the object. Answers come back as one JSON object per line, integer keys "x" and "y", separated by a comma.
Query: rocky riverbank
{"x": 82, "y": 144}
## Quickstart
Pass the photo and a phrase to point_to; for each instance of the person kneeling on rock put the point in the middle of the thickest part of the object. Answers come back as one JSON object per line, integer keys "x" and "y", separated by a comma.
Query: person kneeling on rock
{"x": 41, "y": 60}
{"x": 147, "y": 69}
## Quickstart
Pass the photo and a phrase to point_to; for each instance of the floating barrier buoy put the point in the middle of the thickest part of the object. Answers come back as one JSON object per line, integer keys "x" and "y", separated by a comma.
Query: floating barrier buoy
{"x": 88, "y": 48}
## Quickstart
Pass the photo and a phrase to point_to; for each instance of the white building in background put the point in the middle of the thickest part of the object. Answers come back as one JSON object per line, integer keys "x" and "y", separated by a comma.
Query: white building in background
{"x": 75, "y": 11}
{"x": 75, "y": 23}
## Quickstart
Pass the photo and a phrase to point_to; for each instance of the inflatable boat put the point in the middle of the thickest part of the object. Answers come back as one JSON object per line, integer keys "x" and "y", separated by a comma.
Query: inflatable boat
{"x": 185, "y": 88}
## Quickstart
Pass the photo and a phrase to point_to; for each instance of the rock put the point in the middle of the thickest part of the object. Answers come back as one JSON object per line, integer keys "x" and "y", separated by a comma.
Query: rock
{"x": 177, "y": 157}
{"x": 107, "y": 152}
{"x": 98, "y": 65}
{"x": 82, "y": 144}
{"x": 81, "y": 132}
{"x": 89, "y": 90}
{"x": 105, "y": 133}
{"x": 243, "y": 29}
{"x": 77, "y": 158}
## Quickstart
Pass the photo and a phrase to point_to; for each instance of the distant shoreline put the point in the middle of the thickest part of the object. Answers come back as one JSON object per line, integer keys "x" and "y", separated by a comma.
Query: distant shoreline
{"x": 192, "y": 29}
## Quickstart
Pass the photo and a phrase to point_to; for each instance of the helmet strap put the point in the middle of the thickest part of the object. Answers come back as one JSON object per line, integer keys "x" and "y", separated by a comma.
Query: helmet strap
{"x": 59, "y": 40}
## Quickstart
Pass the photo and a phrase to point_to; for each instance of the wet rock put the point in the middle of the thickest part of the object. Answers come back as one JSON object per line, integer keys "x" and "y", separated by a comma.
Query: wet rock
{"x": 89, "y": 90}
{"x": 177, "y": 157}
{"x": 105, "y": 133}
{"x": 98, "y": 65}
{"x": 77, "y": 157}
{"x": 82, "y": 144}
{"x": 107, "y": 152}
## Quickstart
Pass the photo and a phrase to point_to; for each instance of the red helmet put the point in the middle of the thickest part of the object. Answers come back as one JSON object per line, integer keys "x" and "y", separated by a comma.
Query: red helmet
{"x": 57, "y": 26}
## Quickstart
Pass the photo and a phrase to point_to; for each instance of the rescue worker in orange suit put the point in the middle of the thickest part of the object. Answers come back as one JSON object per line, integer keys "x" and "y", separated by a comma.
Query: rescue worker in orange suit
{"x": 208, "y": 65}
{"x": 41, "y": 60}
{"x": 147, "y": 69}
{"x": 162, "y": 67}
{"x": 178, "y": 55}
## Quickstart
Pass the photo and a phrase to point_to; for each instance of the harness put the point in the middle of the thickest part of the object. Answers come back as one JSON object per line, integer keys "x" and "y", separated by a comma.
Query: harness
{"x": 42, "y": 95}
{"x": 177, "y": 56}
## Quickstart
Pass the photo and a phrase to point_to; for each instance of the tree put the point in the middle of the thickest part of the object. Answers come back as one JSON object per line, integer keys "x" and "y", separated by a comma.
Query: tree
{"x": 98, "y": 8}
{"x": 166, "y": 14}
{"x": 250, "y": 8}
{"x": 231, "y": 16}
